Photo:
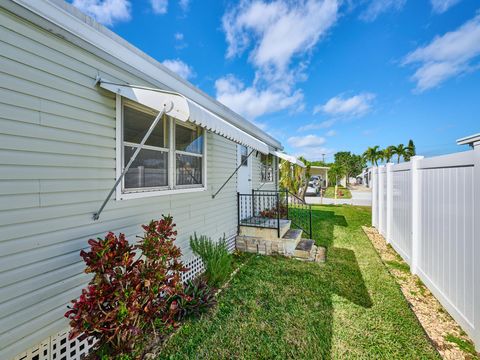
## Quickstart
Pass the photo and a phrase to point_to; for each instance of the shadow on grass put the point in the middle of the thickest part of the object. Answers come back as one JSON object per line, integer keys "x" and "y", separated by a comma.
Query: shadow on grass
{"x": 281, "y": 308}
{"x": 323, "y": 224}
{"x": 340, "y": 276}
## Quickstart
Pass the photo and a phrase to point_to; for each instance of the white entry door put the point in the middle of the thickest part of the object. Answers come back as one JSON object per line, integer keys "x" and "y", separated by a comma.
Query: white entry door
{"x": 244, "y": 174}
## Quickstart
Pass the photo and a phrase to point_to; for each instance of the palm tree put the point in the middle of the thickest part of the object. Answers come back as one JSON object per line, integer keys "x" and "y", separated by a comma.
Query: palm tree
{"x": 305, "y": 177}
{"x": 410, "y": 151}
{"x": 388, "y": 153}
{"x": 399, "y": 150}
{"x": 293, "y": 178}
{"x": 372, "y": 154}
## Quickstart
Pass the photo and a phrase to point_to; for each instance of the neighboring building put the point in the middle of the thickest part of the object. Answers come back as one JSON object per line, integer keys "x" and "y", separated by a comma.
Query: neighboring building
{"x": 321, "y": 171}
{"x": 364, "y": 177}
{"x": 73, "y": 111}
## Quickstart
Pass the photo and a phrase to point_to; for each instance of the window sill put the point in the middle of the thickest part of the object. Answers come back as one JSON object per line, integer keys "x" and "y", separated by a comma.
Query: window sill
{"x": 147, "y": 194}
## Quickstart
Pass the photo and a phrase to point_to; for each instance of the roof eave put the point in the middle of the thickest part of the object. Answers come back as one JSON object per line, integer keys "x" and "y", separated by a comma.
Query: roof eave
{"x": 81, "y": 30}
{"x": 469, "y": 140}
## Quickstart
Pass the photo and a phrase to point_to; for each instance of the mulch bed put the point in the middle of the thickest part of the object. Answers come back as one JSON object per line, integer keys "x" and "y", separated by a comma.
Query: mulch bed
{"x": 438, "y": 324}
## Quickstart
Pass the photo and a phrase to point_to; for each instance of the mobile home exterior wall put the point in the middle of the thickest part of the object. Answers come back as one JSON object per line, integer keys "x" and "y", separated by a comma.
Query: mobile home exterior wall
{"x": 57, "y": 151}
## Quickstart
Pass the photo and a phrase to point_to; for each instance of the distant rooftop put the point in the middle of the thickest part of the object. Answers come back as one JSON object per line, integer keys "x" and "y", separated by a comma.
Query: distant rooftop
{"x": 469, "y": 140}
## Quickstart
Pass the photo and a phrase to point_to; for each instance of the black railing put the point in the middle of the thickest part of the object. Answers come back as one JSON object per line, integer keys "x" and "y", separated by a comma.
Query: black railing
{"x": 266, "y": 209}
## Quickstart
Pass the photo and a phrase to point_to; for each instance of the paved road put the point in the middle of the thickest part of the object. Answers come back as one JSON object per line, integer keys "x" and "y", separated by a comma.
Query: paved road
{"x": 362, "y": 198}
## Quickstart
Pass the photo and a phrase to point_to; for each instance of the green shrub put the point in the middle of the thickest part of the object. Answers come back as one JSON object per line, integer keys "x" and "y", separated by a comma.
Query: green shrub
{"x": 198, "y": 298}
{"x": 215, "y": 256}
{"x": 128, "y": 294}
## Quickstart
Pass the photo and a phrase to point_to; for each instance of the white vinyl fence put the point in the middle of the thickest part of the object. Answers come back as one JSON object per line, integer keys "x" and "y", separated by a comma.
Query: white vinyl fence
{"x": 428, "y": 209}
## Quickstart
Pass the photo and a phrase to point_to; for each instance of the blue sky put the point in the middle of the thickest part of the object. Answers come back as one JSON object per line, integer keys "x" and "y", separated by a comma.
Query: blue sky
{"x": 322, "y": 75}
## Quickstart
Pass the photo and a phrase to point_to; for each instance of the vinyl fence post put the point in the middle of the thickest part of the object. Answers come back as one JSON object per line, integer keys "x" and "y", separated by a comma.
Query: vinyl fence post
{"x": 416, "y": 212}
{"x": 374, "y": 185}
{"x": 389, "y": 201}
{"x": 381, "y": 198}
{"x": 476, "y": 249}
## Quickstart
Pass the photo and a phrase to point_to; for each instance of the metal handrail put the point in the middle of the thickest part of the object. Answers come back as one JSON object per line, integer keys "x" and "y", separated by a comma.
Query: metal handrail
{"x": 304, "y": 222}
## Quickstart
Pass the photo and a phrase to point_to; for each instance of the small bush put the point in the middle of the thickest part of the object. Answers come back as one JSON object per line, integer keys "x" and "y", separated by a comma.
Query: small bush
{"x": 215, "y": 257}
{"x": 199, "y": 298}
{"x": 129, "y": 295}
{"x": 272, "y": 213}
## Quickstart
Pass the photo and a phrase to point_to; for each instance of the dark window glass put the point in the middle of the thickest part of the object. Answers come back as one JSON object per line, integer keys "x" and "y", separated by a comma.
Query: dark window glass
{"x": 188, "y": 139}
{"x": 135, "y": 125}
{"x": 189, "y": 170}
{"x": 148, "y": 170}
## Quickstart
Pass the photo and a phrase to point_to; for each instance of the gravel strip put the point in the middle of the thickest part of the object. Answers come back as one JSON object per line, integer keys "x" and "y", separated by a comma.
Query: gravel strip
{"x": 438, "y": 324}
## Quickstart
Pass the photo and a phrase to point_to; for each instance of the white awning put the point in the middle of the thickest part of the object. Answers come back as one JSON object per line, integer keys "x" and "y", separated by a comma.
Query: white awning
{"x": 289, "y": 158}
{"x": 185, "y": 109}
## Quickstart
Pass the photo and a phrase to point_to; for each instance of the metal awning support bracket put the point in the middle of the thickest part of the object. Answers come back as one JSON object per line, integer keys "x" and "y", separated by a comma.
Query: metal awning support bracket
{"x": 166, "y": 109}
{"x": 229, "y": 178}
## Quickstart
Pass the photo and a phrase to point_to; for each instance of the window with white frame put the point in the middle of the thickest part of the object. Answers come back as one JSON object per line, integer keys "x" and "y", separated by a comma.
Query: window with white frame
{"x": 188, "y": 154}
{"x": 243, "y": 155}
{"x": 172, "y": 157}
{"x": 267, "y": 166}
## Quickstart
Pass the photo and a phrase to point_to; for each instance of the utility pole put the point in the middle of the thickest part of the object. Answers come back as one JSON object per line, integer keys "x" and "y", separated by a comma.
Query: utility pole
{"x": 323, "y": 158}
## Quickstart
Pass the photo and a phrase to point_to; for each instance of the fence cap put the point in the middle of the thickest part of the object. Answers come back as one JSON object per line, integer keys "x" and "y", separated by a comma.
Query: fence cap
{"x": 469, "y": 140}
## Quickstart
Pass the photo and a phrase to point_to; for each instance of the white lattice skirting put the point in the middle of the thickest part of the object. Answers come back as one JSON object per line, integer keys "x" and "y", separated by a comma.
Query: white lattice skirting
{"x": 58, "y": 347}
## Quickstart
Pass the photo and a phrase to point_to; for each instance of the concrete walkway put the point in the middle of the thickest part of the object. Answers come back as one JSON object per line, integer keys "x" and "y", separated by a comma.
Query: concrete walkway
{"x": 359, "y": 197}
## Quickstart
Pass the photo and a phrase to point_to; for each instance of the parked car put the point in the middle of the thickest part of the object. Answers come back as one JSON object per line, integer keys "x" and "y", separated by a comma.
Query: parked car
{"x": 312, "y": 190}
{"x": 314, "y": 181}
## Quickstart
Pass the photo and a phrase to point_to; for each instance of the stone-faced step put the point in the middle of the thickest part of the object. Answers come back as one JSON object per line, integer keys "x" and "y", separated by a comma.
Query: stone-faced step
{"x": 321, "y": 254}
{"x": 258, "y": 245}
{"x": 304, "y": 249}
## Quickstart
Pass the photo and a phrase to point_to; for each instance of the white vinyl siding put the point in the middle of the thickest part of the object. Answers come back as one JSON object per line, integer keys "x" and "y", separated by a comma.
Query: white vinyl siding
{"x": 58, "y": 161}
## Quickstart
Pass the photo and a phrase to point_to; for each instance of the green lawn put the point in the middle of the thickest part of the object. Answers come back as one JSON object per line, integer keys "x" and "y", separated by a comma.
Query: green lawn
{"x": 349, "y": 307}
{"x": 343, "y": 193}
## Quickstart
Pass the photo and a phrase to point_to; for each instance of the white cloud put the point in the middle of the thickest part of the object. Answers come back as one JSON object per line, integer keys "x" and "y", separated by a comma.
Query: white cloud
{"x": 305, "y": 141}
{"x": 440, "y": 6}
{"x": 281, "y": 29}
{"x": 318, "y": 125}
{"x": 310, "y": 146}
{"x": 447, "y": 56}
{"x": 353, "y": 106}
{"x": 315, "y": 153}
{"x": 159, "y": 6}
{"x": 331, "y": 133}
{"x": 180, "y": 43}
{"x": 275, "y": 33}
{"x": 184, "y": 4}
{"x": 106, "y": 12}
{"x": 179, "y": 67}
{"x": 252, "y": 102}
{"x": 377, "y": 7}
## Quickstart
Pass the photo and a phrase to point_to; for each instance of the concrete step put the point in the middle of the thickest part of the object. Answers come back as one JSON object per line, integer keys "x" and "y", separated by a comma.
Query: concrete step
{"x": 304, "y": 249}
{"x": 284, "y": 226}
{"x": 252, "y": 228}
{"x": 291, "y": 239}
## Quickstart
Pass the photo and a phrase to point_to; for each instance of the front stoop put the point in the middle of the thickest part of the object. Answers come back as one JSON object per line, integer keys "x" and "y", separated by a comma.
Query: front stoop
{"x": 265, "y": 241}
